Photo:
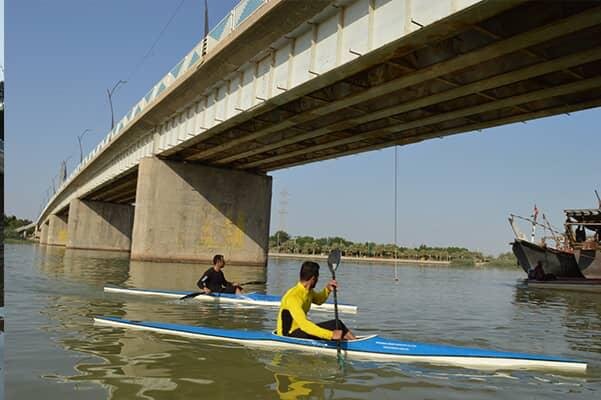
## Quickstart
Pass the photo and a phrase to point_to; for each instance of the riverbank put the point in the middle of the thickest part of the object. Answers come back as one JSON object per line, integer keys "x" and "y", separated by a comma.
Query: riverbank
{"x": 371, "y": 260}
{"x": 18, "y": 241}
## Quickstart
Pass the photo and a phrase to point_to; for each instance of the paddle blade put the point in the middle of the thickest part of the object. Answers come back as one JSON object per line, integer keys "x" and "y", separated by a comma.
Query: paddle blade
{"x": 253, "y": 283}
{"x": 334, "y": 259}
{"x": 191, "y": 295}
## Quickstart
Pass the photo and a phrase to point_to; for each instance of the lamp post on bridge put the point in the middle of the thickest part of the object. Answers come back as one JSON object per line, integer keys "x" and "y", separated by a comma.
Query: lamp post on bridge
{"x": 63, "y": 171}
{"x": 206, "y": 32}
{"x": 80, "y": 147}
{"x": 110, "y": 95}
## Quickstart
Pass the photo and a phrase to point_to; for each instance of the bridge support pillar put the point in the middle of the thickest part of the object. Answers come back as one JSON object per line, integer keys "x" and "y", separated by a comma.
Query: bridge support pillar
{"x": 57, "y": 230}
{"x": 97, "y": 225}
{"x": 189, "y": 212}
{"x": 44, "y": 233}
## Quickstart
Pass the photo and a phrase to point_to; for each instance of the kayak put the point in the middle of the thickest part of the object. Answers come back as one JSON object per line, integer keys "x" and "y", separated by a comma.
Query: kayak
{"x": 252, "y": 298}
{"x": 372, "y": 348}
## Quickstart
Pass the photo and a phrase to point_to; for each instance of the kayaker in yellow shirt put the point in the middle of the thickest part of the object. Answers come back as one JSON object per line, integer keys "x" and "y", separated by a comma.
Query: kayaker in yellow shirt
{"x": 292, "y": 317}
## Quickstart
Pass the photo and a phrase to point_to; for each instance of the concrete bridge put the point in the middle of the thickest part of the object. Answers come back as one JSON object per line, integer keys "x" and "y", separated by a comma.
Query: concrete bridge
{"x": 281, "y": 83}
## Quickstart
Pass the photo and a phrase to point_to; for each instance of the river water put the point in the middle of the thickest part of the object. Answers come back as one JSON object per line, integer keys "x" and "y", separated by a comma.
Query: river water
{"x": 53, "y": 349}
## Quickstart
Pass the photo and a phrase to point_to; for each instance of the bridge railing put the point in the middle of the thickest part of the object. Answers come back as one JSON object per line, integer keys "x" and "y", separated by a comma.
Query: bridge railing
{"x": 243, "y": 10}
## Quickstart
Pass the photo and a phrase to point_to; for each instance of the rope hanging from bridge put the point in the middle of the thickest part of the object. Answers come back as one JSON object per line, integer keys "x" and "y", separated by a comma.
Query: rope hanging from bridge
{"x": 396, "y": 274}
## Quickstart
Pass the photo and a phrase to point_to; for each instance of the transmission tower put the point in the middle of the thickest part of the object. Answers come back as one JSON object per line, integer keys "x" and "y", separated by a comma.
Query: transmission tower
{"x": 283, "y": 211}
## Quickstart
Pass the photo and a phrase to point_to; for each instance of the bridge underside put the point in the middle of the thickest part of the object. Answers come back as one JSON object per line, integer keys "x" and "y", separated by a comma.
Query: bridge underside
{"x": 461, "y": 74}
{"x": 119, "y": 191}
{"x": 494, "y": 63}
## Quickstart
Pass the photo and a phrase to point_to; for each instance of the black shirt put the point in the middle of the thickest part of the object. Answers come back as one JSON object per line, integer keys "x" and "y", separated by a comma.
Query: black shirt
{"x": 213, "y": 280}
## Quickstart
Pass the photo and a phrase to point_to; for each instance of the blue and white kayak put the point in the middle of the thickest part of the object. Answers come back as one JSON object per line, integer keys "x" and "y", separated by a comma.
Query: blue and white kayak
{"x": 372, "y": 348}
{"x": 252, "y": 298}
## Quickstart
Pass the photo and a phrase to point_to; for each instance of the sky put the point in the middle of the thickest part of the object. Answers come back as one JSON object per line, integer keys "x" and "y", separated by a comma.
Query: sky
{"x": 2, "y": 39}
{"x": 456, "y": 191}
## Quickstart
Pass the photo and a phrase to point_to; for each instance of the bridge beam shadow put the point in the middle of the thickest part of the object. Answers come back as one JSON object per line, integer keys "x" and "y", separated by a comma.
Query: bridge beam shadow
{"x": 98, "y": 225}
{"x": 187, "y": 212}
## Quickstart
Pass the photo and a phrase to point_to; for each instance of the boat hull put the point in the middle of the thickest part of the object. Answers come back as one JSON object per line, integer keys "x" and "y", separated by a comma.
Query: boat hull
{"x": 252, "y": 298}
{"x": 577, "y": 284}
{"x": 589, "y": 262}
{"x": 373, "y": 348}
{"x": 559, "y": 263}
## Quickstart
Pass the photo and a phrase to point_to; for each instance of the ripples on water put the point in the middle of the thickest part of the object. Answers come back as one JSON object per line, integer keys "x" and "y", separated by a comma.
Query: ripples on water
{"x": 54, "y": 349}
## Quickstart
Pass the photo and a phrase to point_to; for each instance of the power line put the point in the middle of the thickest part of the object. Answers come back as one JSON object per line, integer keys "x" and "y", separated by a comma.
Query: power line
{"x": 181, "y": 3}
{"x": 136, "y": 68}
{"x": 396, "y": 274}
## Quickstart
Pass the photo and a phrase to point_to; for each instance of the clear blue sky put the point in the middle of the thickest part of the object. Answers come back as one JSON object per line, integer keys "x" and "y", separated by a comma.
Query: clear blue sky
{"x": 2, "y": 39}
{"x": 62, "y": 55}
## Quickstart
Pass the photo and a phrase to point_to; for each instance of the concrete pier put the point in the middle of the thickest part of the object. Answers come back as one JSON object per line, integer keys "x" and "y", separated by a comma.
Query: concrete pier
{"x": 57, "y": 230}
{"x": 96, "y": 225}
{"x": 187, "y": 212}
{"x": 44, "y": 234}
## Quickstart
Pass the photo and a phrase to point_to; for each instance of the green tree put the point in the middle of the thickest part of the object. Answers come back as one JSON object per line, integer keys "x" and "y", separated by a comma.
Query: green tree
{"x": 280, "y": 237}
{"x": 11, "y": 223}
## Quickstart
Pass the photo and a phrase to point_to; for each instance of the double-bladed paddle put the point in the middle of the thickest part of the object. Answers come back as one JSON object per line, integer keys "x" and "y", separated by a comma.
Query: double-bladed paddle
{"x": 333, "y": 263}
{"x": 194, "y": 294}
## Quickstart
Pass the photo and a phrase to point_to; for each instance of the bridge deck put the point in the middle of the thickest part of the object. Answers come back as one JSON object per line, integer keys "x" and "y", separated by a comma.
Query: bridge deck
{"x": 490, "y": 64}
{"x": 530, "y": 61}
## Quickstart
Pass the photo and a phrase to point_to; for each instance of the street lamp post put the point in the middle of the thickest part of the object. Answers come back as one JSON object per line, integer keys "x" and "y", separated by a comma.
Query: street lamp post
{"x": 64, "y": 169}
{"x": 80, "y": 147}
{"x": 110, "y": 95}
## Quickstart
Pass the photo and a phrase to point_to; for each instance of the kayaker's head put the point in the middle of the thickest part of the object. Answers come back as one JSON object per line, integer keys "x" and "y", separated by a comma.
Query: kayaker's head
{"x": 309, "y": 274}
{"x": 218, "y": 262}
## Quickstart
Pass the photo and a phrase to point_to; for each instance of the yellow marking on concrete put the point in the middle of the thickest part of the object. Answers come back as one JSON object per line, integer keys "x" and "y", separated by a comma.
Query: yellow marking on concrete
{"x": 63, "y": 236}
{"x": 234, "y": 234}
{"x": 207, "y": 238}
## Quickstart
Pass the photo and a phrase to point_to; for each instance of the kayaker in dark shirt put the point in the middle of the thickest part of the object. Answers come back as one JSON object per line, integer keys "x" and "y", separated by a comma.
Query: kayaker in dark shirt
{"x": 213, "y": 279}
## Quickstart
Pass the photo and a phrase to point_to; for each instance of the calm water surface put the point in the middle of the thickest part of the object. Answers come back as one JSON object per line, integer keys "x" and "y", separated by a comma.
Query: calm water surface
{"x": 53, "y": 349}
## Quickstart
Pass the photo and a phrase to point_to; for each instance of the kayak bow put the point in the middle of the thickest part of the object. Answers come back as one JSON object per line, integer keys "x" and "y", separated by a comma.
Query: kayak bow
{"x": 372, "y": 348}
{"x": 252, "y": 298}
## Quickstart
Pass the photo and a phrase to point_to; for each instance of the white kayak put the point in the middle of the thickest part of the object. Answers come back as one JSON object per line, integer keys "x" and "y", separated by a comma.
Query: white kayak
{"x": 372, "y": 348}
{"x": 252, "y": 298}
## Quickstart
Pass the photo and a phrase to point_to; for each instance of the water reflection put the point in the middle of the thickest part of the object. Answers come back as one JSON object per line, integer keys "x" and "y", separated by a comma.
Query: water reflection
{"x": 57, "y": 341}
{"x": 179, "y": 276}
{"x": 89, "y": 266}
{"x": 290, "y": 387}
{"x": 299, "y": 380}
{"x": 139, "y": 363}
{"x": 574, "y": 315}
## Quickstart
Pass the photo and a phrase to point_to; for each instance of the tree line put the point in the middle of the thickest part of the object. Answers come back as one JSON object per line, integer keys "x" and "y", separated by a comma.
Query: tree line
{"x": 10, "y": 224}
{"x": 282, "y": 242}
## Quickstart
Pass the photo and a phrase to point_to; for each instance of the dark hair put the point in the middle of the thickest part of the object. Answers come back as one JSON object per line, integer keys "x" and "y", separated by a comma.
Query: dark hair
{"x": 308, "y": 270}
{"x": 217, "y": 258}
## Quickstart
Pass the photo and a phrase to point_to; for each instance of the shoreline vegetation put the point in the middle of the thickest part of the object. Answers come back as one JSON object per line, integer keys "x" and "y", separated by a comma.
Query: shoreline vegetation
{"x": 370, "y": 260}
{"x": 9, "y": 225}
{"x": 283, "y": 245}
{"x": 18, "y": 241}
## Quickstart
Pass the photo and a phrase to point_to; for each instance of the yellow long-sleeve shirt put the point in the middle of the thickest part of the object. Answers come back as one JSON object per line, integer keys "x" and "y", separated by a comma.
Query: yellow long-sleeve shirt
{"x": 297, "y": 301}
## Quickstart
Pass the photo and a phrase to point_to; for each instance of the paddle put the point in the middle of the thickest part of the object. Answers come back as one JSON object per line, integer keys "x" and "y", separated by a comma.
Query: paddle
{"x": 333, "y": 263}
{"x": 194, "y": 294}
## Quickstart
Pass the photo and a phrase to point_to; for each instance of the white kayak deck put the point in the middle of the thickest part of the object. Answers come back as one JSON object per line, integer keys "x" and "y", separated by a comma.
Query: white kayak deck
{"x": 372, "y": 348}
{"x": 252, "y": 298}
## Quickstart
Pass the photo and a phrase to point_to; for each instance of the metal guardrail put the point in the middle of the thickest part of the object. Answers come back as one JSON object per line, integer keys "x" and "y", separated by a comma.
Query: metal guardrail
{"x": 243, "y": 10}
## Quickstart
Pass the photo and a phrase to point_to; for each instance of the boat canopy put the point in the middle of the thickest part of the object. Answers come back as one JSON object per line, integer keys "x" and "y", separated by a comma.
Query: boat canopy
{"x": 590, "y": 218}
